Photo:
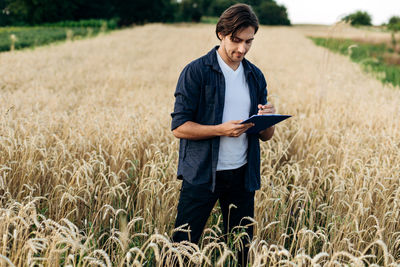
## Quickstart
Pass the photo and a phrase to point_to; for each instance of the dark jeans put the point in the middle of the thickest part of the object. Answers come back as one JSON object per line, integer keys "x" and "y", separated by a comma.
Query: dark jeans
{"x": 197, "y": 201}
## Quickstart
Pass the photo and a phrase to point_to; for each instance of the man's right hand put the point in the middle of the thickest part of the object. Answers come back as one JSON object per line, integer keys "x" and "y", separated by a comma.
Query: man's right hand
{"x": 233, "y": 128}
{"x": 194, "y": 131}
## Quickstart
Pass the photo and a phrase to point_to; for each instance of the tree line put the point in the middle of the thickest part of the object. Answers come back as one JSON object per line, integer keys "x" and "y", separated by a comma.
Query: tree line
{"x": 127, "y": 12}
{"x": 363, "y": 18}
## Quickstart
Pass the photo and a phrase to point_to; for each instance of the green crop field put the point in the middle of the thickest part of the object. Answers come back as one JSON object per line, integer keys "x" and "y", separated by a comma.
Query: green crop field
{"x": 31, "y": 36}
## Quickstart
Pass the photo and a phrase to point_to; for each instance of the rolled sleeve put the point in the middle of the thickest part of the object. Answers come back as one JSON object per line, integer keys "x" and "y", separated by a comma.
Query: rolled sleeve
{"x": 186, "y": 97}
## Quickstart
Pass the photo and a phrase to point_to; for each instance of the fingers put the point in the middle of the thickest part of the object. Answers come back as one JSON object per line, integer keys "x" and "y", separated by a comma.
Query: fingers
{"x": 267, "y": 106}
{"x": 240, "y": 129}
{"x": 248, "y": 125}
{"x": 266, "y": 109}
{"x": 234, "y": 128}
{"x": 244, "y": 126}
{"x": 237, "y": 133}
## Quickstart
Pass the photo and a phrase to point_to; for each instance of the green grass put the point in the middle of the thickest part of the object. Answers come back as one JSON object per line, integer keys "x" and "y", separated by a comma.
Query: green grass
{"x": 209, "y": 20}
{"x": 370, "y": 56}
{"x": 32, "y": 36}
{"x": 37, "y": 36}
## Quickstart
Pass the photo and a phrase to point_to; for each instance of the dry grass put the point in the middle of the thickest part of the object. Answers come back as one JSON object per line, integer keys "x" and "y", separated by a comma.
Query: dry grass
{"x": 344, "y": 30}
{"x": 366, "y": 35}
{"x": 88, "y": 163}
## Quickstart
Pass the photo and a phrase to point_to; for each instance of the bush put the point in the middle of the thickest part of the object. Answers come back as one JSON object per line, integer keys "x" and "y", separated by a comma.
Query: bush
{"x": 394, "y": 20}
{"x": 394, "y": 23}
{"x": 358, "y": 18}
{"x": 92, "y": 23}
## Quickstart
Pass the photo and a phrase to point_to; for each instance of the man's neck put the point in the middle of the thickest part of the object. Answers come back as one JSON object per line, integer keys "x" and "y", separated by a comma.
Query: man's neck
{"x": 233, "y": 65}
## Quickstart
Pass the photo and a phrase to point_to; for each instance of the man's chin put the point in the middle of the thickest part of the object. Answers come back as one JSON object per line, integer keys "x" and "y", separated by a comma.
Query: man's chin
{"x": 237, "y": 58}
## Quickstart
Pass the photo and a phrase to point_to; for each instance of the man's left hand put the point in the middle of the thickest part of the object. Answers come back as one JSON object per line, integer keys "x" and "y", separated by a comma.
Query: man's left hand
{"x": 266, "y": 109}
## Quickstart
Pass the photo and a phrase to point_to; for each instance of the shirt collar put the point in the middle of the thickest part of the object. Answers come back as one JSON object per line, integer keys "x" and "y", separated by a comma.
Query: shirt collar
{"x": 211, "y": 60}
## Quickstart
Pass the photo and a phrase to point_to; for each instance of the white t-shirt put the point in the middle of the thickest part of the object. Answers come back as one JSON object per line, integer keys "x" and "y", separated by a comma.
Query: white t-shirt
{"x": 233, "y": 150}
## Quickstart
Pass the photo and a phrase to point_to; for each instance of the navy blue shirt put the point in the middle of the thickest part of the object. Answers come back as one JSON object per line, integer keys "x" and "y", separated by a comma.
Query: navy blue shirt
{"x": 200, "y": 97}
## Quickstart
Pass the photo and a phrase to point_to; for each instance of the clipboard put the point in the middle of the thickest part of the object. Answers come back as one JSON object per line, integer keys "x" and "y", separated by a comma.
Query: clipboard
{"x": 263, "y": 122}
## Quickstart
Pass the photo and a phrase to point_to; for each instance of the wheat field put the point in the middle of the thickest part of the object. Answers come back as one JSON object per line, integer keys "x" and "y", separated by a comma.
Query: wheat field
{"x": 88, "y": 162}
{"x": 342, "y": 30}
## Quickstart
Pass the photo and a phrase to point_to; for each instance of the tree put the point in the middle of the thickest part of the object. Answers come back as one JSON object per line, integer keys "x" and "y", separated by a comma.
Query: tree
{"x": 42, "y": 11}
{"x": 13, "y": 12}
{"x": 358, "y": 18}
{"x": 190, "y": 10}
{"x": 270, "y": 13}
{"x": 218, "y": 6}
{"x": 4, "y": 14}
{"x": 22, "y": 12}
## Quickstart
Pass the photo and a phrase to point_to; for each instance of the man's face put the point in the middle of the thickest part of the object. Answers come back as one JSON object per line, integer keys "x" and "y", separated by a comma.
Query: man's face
{"x": 235, "y": 49}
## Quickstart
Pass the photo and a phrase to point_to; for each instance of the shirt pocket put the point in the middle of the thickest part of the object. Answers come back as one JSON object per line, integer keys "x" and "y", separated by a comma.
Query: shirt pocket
{"x": 209, "y": 95}
{"x": 207, "y": 107}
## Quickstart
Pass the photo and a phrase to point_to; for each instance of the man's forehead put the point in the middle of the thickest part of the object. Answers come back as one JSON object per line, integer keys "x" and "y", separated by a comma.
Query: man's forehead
{"x": 244, "y": 33}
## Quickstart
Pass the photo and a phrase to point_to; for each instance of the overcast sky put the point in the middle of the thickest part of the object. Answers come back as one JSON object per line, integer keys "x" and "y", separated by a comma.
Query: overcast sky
{"x": 330, "y": 11}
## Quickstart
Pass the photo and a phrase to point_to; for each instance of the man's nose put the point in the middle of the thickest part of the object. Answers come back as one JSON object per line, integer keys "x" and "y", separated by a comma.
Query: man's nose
{"x": 242, "y": 48}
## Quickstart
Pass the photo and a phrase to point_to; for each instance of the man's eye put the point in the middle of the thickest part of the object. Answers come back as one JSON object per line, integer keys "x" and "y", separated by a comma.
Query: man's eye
{"x": 249, "y": 41}
{"x": 236, "y": 40}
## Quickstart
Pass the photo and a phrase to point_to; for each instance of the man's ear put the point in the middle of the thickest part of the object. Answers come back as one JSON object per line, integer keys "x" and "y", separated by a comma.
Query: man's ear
{"x": 220, "y": 36}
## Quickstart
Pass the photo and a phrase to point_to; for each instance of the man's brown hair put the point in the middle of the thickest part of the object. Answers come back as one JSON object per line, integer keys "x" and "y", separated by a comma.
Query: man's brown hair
{"x": 235, "y": 18}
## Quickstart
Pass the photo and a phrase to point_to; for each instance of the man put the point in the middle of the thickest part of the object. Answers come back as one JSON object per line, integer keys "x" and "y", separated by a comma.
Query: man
{"x": 217, "y": 159}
